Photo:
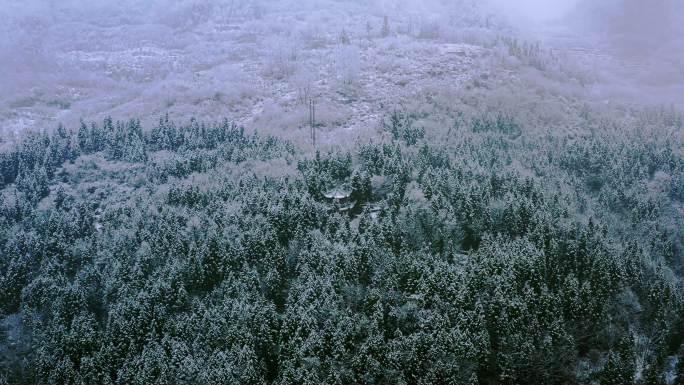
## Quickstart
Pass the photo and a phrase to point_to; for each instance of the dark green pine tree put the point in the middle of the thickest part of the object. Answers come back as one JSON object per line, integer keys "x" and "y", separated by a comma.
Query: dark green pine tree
{"x": 361, "y": 187}
{"x": 620, "y": 367}
{"x": 84, "y": 138}
{"x": 679, "y": 368}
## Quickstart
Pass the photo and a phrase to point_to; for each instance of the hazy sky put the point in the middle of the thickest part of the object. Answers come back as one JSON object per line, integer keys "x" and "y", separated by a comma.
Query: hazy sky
{"x": 534, "y": 10}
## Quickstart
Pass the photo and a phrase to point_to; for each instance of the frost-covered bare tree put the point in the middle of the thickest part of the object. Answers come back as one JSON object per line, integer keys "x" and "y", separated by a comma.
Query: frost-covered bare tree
{"x": 348, "y": 64}
{"x": 281, "y": 54}
{"x": 304, "y": 80}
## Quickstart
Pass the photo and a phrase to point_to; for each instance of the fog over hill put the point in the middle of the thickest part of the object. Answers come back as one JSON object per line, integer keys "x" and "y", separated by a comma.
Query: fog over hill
{"x": 57, "y": 58}
{"x": 634, "y": 46}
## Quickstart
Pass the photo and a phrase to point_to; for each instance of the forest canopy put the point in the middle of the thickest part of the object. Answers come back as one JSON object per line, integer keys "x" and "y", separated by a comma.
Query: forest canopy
{"x": 199, "y": 253}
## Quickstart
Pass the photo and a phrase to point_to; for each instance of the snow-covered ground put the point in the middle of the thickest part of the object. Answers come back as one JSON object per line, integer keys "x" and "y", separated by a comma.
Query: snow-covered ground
{"x": 237, "y": 60}
{"x": 257, "y": 70}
